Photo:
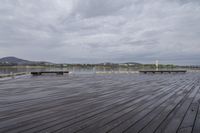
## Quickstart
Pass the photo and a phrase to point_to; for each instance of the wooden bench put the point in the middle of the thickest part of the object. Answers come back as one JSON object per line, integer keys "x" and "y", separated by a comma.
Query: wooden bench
{"x": 49, "y": 72}
{"x": 162, "y": 71}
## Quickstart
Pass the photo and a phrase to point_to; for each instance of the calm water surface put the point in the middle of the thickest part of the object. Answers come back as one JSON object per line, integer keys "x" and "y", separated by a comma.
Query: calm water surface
{"x": 8, "y": 70}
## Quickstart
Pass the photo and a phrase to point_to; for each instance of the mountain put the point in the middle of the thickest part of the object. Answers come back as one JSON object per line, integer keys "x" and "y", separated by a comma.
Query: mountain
{"x": 16, "y": 61}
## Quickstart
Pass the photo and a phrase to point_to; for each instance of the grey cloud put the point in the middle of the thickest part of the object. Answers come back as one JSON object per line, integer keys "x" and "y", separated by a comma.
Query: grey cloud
{"x": 101, "y": 30}
{"x": 95, "y": 8}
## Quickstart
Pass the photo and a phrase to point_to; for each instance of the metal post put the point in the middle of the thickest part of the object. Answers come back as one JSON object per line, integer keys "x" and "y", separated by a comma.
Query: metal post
{"x": 156, "y": 65}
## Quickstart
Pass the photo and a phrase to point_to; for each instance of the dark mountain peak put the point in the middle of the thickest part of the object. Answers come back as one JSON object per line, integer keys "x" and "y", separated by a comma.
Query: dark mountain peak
{"x": 14, "y": 60}
{"x": 11, "y": 60}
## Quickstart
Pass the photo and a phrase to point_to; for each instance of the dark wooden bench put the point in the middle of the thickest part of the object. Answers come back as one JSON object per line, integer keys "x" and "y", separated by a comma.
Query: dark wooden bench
{"x": 162, "y": 71}
{"x": 49, "y": 72}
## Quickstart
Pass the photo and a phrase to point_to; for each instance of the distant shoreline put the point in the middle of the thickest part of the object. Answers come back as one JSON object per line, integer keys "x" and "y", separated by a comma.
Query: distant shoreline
{"x": 139, "y": 66}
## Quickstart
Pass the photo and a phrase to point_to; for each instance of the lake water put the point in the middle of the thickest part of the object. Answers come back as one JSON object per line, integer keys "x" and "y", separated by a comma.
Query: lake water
{"x": 8, "y": 70}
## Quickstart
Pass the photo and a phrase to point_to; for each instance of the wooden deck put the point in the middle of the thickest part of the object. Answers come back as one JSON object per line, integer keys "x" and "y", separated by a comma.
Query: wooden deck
{"x": 101, "y": 103}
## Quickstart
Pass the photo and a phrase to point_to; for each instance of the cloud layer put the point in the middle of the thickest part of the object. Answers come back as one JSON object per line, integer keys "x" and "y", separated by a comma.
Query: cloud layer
{"x": 101, "y": 30}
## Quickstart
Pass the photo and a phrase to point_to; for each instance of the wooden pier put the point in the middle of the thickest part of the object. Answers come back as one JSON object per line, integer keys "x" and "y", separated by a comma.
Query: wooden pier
{"x": 49, "y": 72}
{"x": 113, "y": 103}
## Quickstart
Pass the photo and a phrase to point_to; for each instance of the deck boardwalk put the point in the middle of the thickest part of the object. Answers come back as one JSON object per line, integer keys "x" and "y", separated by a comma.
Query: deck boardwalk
{"x": 115, "y": 103}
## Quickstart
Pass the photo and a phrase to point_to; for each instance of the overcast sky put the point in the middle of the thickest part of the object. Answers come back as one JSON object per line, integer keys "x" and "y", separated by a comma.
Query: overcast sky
{"x": 92, "y": 31}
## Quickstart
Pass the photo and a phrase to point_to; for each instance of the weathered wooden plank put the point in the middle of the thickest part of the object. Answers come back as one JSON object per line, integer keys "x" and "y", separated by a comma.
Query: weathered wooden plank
{"x": 189, "y": 119}
{"x": 101, "y": 123}
{"x": 132, "y": 119}
{"x": 65, "y": 123}
{"x": 177, "y": 116}
{"x": 172, "y": 102}
{"x": 93, "y": 103}
{"x": 151, "y": 127}
{"x": 117, "y": 121}
{"x": 82, "y": 124}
